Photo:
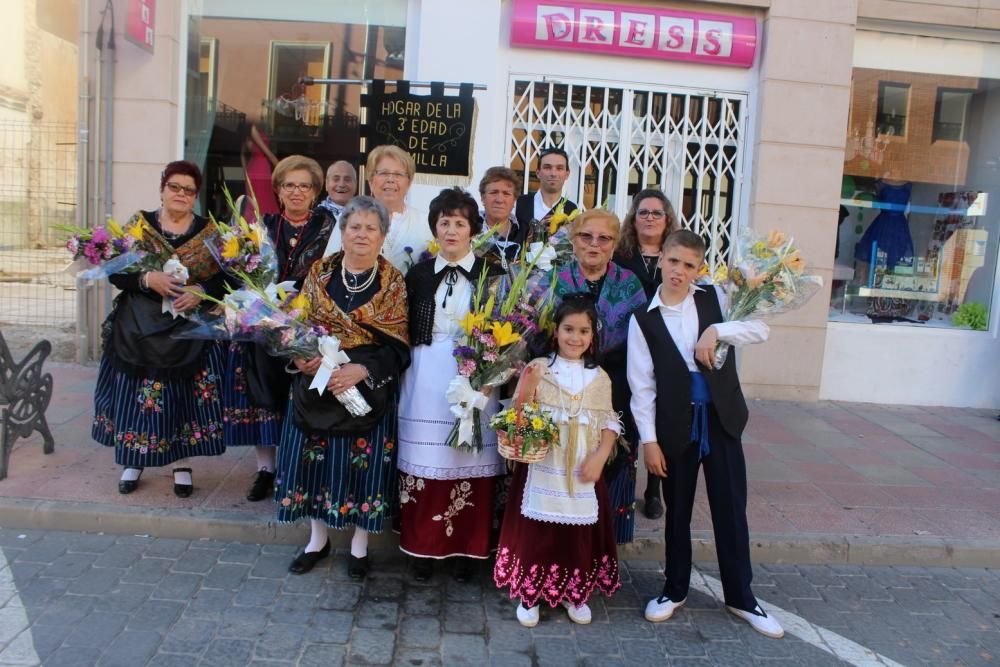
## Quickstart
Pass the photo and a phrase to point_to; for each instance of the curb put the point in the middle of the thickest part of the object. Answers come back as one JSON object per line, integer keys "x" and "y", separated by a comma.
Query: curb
{"x": 244, "y": 527}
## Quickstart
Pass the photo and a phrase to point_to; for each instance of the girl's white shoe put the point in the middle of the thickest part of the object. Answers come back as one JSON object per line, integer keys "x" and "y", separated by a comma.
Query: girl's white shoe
{"x": 579, "y": 614}
{"x": 527, "y": 617}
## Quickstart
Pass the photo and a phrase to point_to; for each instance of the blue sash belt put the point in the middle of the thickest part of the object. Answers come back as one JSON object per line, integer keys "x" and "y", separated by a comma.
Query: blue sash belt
{"x": 700, "y": 400}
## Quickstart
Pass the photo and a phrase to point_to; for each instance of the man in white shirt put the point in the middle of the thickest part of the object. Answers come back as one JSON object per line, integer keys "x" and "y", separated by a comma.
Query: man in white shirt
{"x": 552, "y": 173}
{"x": 341, "y": 184}
{"x": 690, "y": 414}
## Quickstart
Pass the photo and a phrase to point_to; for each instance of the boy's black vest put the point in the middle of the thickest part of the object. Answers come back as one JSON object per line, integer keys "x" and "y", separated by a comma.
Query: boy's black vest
{"x": 673, "y": 386}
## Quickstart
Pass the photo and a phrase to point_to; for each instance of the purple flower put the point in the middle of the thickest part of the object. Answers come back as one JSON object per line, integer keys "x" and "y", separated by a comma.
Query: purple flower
{"x": 408, "y": 250}
{"x": 100, "y": 235}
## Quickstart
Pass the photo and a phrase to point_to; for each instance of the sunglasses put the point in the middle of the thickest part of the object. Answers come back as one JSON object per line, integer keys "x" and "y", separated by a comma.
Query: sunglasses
{"x": 177, "y": 188}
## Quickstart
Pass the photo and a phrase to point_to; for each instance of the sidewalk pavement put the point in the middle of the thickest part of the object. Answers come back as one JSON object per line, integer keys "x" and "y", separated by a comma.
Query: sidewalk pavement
{"x": 829, "y": 483}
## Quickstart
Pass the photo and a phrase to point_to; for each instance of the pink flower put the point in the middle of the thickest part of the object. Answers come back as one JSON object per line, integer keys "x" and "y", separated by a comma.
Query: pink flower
{"x": 364, "y": 507}
{"x": 100, "y": 235}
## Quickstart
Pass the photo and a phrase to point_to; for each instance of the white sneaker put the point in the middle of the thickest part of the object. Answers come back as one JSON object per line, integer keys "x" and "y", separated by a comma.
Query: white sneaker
{"x": 759, "y": 621}
{"x": 579, "y": 614}
{"x": 662, "y": 608}
{"x": 527, "y": 617}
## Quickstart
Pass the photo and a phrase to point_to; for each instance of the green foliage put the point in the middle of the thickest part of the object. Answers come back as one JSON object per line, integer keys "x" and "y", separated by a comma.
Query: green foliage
{"x": 971, "y": 316}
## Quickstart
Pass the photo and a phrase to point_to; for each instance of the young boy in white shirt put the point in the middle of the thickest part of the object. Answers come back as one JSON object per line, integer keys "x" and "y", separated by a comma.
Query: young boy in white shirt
{"x": 689, "y": 415}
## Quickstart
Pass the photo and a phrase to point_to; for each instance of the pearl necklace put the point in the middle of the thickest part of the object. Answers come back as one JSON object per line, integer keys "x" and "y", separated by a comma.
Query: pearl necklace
{"x": 358, "y": 288}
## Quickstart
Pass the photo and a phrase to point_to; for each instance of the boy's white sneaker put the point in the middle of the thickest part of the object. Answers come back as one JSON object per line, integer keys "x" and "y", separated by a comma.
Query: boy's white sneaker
{"x": 759, "y": 621}
{"x": 527, "y": 617}
{"x": 662, "y": 608}
{"x": 579, "y": 614}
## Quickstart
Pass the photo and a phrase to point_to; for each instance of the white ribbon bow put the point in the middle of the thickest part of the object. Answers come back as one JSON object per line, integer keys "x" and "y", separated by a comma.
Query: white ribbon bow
{"x": 333, "y": 358}
{"x": 464, "y": 399}
{"x": 173, "y": 268}
{"x": 541, "y": 254}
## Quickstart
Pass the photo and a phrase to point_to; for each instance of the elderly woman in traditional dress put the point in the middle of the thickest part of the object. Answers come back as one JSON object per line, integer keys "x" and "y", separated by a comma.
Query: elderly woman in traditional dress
{"x": 390, "y": 171}
{"x": 618, "y": 292}
{"x": 446, "y": 495}
{"x": 255, "y": 385}
{"x": 157, "y": 400}
{"x": 334, "y": 468}
{"x": 649, "y": 221}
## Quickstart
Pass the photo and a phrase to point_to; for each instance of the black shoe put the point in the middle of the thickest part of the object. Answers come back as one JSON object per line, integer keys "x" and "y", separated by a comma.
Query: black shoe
{"x": 652, "y": 508}
{"x": 127, "y": 486}
{"x": 182, "y": 490}
{"x": 357, "y": 568}
{"x": 464, "y": 569}
{"x": 262, "y": 487}
{"x": 307, "y": 560}
{"x": 422, "y": 569}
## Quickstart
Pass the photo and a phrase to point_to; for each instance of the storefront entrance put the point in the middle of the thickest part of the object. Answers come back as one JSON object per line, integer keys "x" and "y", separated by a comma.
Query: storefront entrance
{"x": 686, "y": 142}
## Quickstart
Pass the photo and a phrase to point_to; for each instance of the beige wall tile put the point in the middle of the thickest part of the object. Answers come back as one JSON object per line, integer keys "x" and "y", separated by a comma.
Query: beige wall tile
{"x": 787, "y": 174}
{"x": 142, "y": 191}
{"x": 814, "y": 228}
{"x": 807, "y": 51}
{"x": 791, "y": 356}
{"x": 836, "y": 11}
{"x": 989, "y": 18}
{"x": 778, "y": 392}
{"x": 154, "y": 76}
{"x": 918, "y": 12}
{"x": 989, "y": 4}
{"x": 804, "y": 113}
{"x": 145, "y": 133}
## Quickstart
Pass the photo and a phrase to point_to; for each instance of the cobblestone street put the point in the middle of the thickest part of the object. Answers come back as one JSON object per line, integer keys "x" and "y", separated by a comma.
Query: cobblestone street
{"x": 80, "y": 599}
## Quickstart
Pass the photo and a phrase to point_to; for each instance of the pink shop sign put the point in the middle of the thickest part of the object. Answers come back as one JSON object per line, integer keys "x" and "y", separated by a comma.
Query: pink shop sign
{"x": 140, "y": 23}
{"x": 635, "y": 31}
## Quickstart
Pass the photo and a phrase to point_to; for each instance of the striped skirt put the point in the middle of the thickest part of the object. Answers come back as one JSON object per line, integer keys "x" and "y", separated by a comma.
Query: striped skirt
{"x": 152, "y": 421}
{"x": 342, "y": 480}
{"x": 244, "y": 423}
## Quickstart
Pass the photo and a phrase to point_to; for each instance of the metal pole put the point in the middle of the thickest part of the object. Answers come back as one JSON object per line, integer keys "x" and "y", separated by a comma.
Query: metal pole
{"x": 313, "y": 81}
{"x": 82, "y": 180}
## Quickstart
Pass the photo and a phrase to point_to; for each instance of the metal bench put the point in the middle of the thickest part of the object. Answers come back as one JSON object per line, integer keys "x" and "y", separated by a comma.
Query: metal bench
{"x": 25, "y": 393}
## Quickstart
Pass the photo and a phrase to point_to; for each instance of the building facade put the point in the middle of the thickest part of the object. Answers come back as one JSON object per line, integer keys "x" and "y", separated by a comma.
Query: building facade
{"x": 867, "y": 129}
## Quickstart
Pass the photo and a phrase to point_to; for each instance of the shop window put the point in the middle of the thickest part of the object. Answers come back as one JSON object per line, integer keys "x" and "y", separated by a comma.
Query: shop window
{"x": 893, "y": 108}
{"x": 919, "y": 219}
{"x": 242, "y": 83}
{"x": 950, "y": 113}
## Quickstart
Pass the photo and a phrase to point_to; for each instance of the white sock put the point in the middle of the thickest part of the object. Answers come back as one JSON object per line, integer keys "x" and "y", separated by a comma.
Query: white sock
{"x": 318, "y": 536}
{"x": 359, "y": 543}
{"x": 265, "y": 458}
{"x": 131, "y": 474}
{"x": 183, "y": 477}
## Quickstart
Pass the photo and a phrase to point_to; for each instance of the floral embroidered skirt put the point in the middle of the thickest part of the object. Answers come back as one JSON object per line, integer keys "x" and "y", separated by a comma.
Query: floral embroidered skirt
{"x": 538, "y": 560}
{"x": 244, "y": 422}
{"x": 342, "y": 480}
{"x": 440, "y": 518}
{"x": 152, "y": 421}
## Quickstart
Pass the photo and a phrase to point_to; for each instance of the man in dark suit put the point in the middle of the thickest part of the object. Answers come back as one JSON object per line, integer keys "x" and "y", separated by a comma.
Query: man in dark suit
{"x": 552, "y": 173}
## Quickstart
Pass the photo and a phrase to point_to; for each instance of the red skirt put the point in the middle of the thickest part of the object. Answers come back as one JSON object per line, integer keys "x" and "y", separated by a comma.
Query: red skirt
{"x": 440, "y": 518}
{"x": 555, "y": 562}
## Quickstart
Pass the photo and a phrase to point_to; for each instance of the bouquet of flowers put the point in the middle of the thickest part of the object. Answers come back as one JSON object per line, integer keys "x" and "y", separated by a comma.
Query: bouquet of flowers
{"x": 767, "y": 277}
{"x": 524, "y": 432}
{"x": 278, "y": 319}
{"x": 243, "y": 248}
{"x": 111, "y": 248}
{"x": 551, "y": 245}
{"x": 491, "y": 352}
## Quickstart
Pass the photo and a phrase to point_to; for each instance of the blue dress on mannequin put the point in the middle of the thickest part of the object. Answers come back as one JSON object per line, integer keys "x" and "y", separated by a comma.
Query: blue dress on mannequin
{"x": 890, "y": 229}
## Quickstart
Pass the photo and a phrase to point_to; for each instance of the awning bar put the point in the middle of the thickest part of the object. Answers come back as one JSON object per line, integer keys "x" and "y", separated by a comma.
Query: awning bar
{"x": 312, "y": 81}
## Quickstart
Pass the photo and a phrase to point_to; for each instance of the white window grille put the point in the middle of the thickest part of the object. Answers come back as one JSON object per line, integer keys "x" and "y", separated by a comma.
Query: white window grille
{"x": 688, "y": 143}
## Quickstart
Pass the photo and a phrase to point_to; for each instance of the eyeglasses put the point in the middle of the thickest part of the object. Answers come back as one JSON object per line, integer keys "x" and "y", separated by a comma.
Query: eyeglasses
{"x": 177, "y": 188}
{"x": 590, "y": 239}
{"x": 397, "y": 175}
{"x": 655, "y": 214}
{"x": 296, "y": 187}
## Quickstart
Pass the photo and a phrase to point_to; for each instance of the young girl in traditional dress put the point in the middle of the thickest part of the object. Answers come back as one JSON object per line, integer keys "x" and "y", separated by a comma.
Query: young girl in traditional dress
{"x": 557, "y": 542}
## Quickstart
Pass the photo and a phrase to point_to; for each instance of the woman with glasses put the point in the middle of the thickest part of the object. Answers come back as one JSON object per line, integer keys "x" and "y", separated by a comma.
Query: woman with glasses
{"x": 618, "y": 292}
{"x": 255, "y": 386}
{"x": 650, "y": 219}
{"x": 390, "y": 171}
{"x": 157, "y": 399}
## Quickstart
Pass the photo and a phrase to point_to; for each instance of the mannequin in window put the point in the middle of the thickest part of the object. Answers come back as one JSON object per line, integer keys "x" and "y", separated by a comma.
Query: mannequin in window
{"x": 890, "y": 230}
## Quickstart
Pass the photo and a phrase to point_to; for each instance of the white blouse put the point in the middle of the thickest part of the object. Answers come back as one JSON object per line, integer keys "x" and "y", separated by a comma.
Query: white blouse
{"x": 573, "y": 376}
{"x": 456, "y": 306}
